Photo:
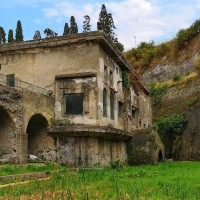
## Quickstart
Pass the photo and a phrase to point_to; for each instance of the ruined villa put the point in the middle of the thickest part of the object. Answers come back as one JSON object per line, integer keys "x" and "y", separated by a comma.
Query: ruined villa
{"x": 66, "y": 99}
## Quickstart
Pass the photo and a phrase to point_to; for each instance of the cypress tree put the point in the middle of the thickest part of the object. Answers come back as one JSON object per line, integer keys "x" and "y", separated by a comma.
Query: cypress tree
{"x": 106, "y": 23}
{"x": 66, "y": 29}
{"x": 2, "y": 36}
{"x": 73, "y": 26}
{"x": 19, "y": 32}
{"x": 86, "y": 24}
{"x": 10, "y": 36}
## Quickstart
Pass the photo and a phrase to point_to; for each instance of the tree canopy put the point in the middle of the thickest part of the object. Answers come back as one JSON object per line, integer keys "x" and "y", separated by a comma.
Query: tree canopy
{"x": 2, "y": 35}
{"x": 66, "y": 29}
{"x": 73, "y": 26}
{"x": 10, "y": 36}
{"x": 86, "y": 24}
{"x": 19, "y": 32}
{"x": 106, "y": 23}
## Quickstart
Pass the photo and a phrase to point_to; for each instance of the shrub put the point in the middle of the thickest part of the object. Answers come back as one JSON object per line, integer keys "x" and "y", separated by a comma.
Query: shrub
{"x": 173, "y": 124}
{"x": 126, "y": 81}
{"x": 157, "y": 92}
{"x": 176, "y": 77}
{"x": 197, "y": 64}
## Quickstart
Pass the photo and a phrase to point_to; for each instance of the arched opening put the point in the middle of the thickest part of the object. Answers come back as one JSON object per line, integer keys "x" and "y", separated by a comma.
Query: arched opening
{"x": 160, "y": 156}
{"x": 7, "y": 135}
{"x": 40, "y": 144}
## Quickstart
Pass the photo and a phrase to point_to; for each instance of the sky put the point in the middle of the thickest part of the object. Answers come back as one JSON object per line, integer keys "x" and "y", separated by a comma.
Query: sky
{"x": 135, "y": 20}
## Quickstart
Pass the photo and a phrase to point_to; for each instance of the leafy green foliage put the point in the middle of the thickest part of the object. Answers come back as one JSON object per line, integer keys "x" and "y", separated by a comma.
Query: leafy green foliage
{"x": 73, "y": 26}
{"x": 86, "y": 24}
{"x": 126, "y": 80}
{"x": 120, "y": 46}
{"x": 185, "y": 35}
{"x": 50, "y": 33}
{"x": 106, "y": 23}
{"x": 2, "y": 36}
{"x": 19, "y": 32}
{"x": 176, "y": 77}
{"x": 157, "y": 92}
{"x": 10, "y": 36}
{"x": 66, "y": 29}
{"x": 173, "y": 124}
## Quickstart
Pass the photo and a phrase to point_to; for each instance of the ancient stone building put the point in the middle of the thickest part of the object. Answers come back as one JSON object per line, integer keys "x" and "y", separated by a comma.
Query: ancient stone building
{"x": 85, "y": 109}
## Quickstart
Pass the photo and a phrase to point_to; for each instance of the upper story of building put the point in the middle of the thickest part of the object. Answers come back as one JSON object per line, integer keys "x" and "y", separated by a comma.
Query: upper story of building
{"x": 86, "y": 74}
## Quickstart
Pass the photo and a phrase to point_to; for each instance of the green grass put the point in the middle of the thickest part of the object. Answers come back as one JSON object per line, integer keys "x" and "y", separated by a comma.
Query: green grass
{"x": 169, "y": 180}
{"x": 20, "y": 169}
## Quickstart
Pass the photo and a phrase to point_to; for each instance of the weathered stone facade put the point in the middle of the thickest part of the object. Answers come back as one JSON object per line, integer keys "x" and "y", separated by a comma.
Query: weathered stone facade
{"x": 83, "y": 74}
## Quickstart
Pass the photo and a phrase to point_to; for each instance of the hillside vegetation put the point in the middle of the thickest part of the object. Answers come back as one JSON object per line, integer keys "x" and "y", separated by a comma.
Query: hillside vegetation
{"x": 182, "y": 47}
{"x": 172, "y": 70}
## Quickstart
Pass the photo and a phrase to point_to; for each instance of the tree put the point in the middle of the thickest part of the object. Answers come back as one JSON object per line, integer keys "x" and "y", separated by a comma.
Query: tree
{"x": 2, "y": 36}
{"x": 50, "y": 33}
{"x": 19, "y": 32}
{"x": 73, "y": 26}
{"x": 10, "y": 36}
{"x": 106, "y": 23}
{"x": 86, "y": 24}
{"x": 120, "y": 46}
{"x": 66, "y": 29}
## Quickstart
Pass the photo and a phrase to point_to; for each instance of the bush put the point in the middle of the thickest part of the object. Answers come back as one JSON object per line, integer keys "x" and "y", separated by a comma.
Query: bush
{"x": 197, "y": 64}
{"x": 157, "y": 92}
{"x": 185, "y": 35}
{"x": 176, "y": 77}
{"x": 173, "y": 124}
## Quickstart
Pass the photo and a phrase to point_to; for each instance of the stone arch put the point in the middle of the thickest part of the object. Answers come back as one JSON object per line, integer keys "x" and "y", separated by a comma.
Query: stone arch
{"x": 160, "y": 156}
{"x": 7, "y": 135}
{"x": 40, "y": 143}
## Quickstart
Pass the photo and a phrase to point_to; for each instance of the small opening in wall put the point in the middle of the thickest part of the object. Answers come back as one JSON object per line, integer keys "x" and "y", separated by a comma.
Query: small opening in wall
{"x": 120, "y": 110}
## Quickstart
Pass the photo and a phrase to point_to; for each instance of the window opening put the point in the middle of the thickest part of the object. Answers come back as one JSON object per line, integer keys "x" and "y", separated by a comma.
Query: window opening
{"x": 120, "y": 110}
{"x": 112, "y": 103}
{"x": 104, "y": 103}
{"x": 10, "y": 79}
{"x": 74, "y": 104}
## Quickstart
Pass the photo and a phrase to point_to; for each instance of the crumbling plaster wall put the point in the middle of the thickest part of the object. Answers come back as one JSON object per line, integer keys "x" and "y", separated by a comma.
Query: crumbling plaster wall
{"x": 39, "y": 66}
{"x": 37, "y": 104}
{"x": 88, "y": 87}
{"x": 105, "y": 61}
{"x": 89, "y": 151}
{"x": 11, "y": 104}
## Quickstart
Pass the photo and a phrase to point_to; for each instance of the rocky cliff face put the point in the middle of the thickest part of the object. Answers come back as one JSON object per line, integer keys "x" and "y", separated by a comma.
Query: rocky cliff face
{"x": 181, "y": 96}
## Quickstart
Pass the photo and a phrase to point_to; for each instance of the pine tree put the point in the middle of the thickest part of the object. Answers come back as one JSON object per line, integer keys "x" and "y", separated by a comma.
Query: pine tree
{"x": 73, "y": 26}
{"x": 66, "y": 29}
{"x": 106, "y": 23}
{"x": 19, "y": 32}
{"x": 2, "y": 36}
{"x": 86, "y": 24}
{"x": 10, "y": 36}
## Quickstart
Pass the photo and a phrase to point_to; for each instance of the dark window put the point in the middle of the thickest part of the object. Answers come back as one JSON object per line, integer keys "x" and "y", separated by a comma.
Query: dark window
{"x": 111, "y": 78}
{"x": 112, "y": 103}
{"x": 120, "y": 110}
{"x": 133, "y": 112}
{"x": 105, "y": 73}
{"x": 104, "y": 103}
{"x": 10, "y": 79}
{"x": 0, "y": 66}
{"x": 74, "y": 104}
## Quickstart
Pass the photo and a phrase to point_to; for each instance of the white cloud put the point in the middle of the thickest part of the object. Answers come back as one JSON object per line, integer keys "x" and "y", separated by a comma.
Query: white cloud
{"x": 145, "y": 19}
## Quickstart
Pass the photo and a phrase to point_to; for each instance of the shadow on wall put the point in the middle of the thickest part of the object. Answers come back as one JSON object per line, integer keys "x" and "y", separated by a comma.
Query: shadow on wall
{"x": 7, "y": 135}
{"x": 40, "y": 144}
